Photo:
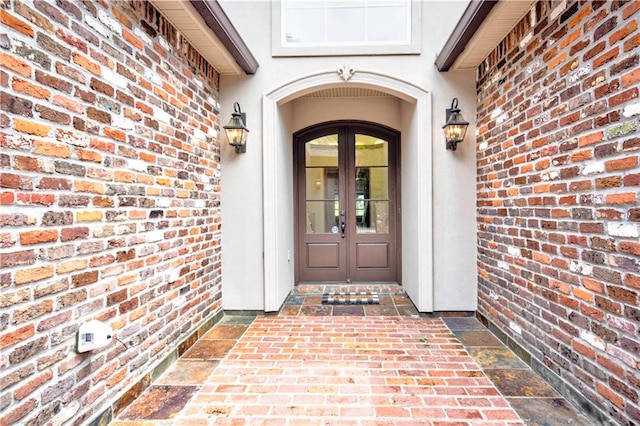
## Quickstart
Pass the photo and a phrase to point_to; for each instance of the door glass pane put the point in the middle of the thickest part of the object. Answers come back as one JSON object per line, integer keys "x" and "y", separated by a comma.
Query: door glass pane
{"x": 371, "y": 151}
{"x": 371, "y": 185}
{"x": 322, "y": 152}
{"x": 322, "y": 217}
{"x": 322, "y": 185}
{"x": 374, "y": 218}
{"x": 372, "y": 200}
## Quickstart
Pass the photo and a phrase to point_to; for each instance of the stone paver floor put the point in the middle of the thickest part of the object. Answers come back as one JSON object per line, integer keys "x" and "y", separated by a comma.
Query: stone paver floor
{"x": 355, "y": 365}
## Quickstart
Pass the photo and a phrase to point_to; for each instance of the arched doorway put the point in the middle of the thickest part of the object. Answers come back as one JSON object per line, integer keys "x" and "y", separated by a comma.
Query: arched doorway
{"x": 415, "y": 123}
{"x": 346, "y": 201}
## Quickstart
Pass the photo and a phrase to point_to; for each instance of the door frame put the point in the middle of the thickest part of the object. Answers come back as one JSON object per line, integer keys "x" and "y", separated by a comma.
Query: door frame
{"x": 343, "y": 128}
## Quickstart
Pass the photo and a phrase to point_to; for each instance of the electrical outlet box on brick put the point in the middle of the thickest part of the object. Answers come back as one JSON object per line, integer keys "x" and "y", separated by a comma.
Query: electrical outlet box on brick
{"x": 93, "y": 335}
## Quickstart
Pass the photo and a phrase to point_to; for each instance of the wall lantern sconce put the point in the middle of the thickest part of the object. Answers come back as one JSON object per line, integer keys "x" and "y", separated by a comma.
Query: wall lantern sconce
{"x": 236, "y": 130}
{"x": 456, "y": 126}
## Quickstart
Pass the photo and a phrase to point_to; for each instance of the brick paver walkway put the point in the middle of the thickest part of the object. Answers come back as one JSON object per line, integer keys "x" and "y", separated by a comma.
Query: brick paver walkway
{"x": 347, "y": 370}
{"x": 347, "y": 365}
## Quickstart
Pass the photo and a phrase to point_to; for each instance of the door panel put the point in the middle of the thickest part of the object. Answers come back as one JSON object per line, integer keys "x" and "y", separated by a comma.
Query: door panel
{"x": 346, "y": 203}
{"x": 323, "y": 255}
{"x": 372, "y": 255}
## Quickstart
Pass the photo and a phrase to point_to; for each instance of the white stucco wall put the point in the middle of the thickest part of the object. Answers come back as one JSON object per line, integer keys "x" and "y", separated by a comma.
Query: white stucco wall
{"x": 454, "y": 202}
{"x": 453, "y": 231}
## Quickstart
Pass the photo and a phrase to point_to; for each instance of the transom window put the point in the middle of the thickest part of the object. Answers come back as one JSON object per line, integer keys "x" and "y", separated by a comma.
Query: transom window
{"x": 346, "y": 27}
{"x": 346, "y": 22}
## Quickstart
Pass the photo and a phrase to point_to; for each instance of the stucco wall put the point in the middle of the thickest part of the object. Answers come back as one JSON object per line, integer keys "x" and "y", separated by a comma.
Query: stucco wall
{"x": 109, "y": 204}
{"x": 454, "y": 251}
{"x": 558, "y": 178}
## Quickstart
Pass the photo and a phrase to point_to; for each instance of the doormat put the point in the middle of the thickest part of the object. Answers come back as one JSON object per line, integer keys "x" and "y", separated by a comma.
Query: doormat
{"x": 350, "y": 298}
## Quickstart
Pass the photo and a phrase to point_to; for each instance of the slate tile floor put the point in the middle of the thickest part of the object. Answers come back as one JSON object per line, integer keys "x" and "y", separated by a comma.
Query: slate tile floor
{"x": 537, "y": 403}
{"x": 349, "y": 365}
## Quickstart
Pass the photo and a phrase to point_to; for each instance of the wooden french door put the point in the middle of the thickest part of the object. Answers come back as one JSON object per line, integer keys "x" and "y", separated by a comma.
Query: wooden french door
{"x": 346, "y": 203}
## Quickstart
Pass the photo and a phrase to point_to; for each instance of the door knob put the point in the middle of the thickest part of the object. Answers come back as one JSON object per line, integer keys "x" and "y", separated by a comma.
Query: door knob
{"x": 343, "y": 222}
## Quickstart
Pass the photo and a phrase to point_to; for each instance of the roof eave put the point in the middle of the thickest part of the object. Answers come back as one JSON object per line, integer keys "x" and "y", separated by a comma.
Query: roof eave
{"x": 218, "y": 21}
{"x": 472, "y": 18}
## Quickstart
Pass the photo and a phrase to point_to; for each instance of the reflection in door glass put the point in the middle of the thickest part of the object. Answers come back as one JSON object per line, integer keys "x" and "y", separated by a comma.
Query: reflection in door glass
{"x": 322, "y": 217}
{"x": 374, "y": 218}
{"x": 371, "y": 185}
{"x": 322, "y": 185}
{"x": 322, "y": 151}
{"x": 371, "y": 151}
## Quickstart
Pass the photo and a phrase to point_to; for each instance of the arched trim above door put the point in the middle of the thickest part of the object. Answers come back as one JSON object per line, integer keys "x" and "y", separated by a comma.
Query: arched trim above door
{"x": 417, "y": 246}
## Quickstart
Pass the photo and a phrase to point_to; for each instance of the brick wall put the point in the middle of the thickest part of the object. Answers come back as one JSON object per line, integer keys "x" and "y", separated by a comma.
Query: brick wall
{"x": 109, "y": 199}
{"x": 558, "y": 190}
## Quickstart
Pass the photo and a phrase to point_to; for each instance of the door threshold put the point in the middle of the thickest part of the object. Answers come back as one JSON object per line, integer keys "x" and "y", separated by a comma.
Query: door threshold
{"x": 371, "y": 287}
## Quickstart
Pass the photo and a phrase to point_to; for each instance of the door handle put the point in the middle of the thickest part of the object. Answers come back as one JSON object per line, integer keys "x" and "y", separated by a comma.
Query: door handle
{"x": 343, "y": 222}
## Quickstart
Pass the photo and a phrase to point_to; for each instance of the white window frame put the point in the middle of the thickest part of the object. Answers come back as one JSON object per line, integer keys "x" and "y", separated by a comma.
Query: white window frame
{"x": 280, "y": 48}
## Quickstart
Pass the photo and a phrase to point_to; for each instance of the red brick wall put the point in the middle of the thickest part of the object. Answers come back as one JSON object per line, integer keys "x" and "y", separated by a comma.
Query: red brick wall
{"x": 109, "y": 199}
{"x": 558, "y": 190}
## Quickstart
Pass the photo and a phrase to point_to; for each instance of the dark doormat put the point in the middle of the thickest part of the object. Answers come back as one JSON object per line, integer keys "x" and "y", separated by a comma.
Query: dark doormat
{"x": 350, "y": 298}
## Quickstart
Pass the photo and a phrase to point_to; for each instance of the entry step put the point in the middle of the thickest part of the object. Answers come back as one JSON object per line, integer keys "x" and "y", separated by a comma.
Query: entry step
{"x": 321, "y": 288}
